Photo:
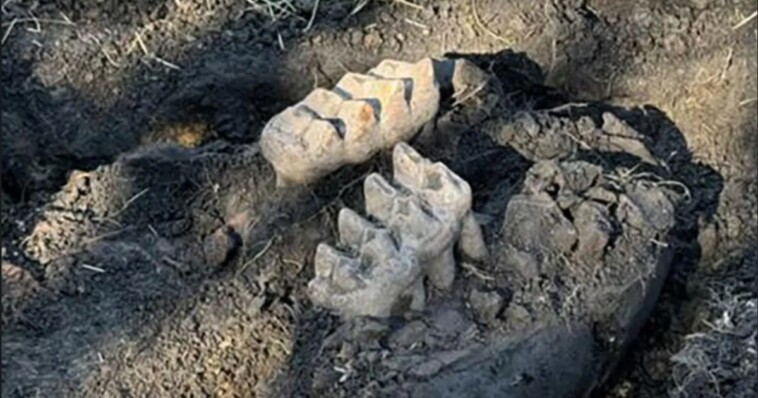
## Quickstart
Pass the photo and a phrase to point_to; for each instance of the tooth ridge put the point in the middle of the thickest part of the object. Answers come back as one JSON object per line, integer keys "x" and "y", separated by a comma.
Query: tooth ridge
{"x": 394, "y": 92}
{"x": 411, "y": 238}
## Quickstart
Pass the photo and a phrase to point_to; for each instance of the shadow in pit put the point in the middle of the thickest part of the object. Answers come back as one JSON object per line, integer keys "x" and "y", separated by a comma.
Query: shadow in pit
{"x": 499, "y": 172}
{"x": 233, "y": 77}
{"x": 112, "y": 290}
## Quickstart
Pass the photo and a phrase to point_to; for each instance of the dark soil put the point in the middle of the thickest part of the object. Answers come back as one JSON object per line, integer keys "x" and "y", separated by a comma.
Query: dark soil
{"x": 138, "y": 268}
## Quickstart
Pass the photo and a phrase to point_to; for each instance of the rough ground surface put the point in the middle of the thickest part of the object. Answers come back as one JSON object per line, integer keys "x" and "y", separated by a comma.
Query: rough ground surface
{"x": 202, "y": 289}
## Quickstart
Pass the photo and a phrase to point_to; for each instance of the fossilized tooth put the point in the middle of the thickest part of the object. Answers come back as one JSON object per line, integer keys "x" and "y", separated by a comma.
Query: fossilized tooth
{"x": 383, "y": 272}
{"x": 389, "y": 100}
{"x": 405, "y": 216}
{"x": 422, "y": 88}
{"x": 361, "y": 127}
{"x": 376, "y": 282}
{"x": 323, "y": 102}
{"x": 356, "y": 120}
{"x": 431, "y": 238}
{"x": 446, "y": 193}
{"x": 367, "y": 112}
{"x": 353, "y": 229}
{"x": 300, "y": 146}
{"x": 471, "y": 242}
{"x": 378, "y": 195}
{"x": 433, "y": 182}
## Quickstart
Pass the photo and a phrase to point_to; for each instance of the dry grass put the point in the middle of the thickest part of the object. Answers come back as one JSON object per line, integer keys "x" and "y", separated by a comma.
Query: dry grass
{"x": 481, "y": 25}
{"x": 719, "y": 359}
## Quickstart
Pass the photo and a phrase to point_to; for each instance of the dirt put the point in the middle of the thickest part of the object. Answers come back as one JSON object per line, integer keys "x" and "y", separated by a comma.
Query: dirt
{"x": 135, "y": 267}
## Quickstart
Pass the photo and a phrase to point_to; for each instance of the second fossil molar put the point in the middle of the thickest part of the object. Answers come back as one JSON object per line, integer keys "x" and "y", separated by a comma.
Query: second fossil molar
{"x": 424, "y": 213}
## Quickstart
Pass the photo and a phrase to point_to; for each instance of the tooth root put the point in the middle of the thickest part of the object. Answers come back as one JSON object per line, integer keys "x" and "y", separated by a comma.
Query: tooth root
{"x": 443, "y": 238}
{"x": 471, "y": 241}
{"x": 379, "y": 197}
{"x": 441, "y": 270}
{"x": 418, "y": 295}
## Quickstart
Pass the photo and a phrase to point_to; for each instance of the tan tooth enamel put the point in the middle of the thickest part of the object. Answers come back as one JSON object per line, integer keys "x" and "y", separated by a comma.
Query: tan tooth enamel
{"x": 390, "y": 103}
{"x": 407, "y": 165}
{"x": 420, "y": 81}
{"x": 361, "y": 125}
{"x": 323, "y": 102}
{"x": 367, "y": 112}
{"x": 297, "y": 139}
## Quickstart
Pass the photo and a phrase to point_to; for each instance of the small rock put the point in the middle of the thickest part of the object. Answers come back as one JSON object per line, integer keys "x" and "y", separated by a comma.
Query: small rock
{"x": 409, "y": 334}
{"x": 592, "y": 222}
{"x": 334, "y": 340}
{"x": 324, "y": 376}
{"x": 180, "y": 227}
{"x": 524, "y": 263}
{"x": 371, "y": 356}
{"x": 601, "y": 194}
{"x": 219, "y": 246}
{"x": 427, "y": 368}
{"x": 708, "y": 239}
{"x": 372, "y": 40}
{"x": 517, "y": 314}
{"x": 402, "y": 363}
{"x": 450, "y": 322}
{"x": 486, "y": 305}
{"x": 364, "y": 330}
{"x": 356, "y": 37}
{"x": 253, "y": 309}
{"x": 347, "y": 351}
